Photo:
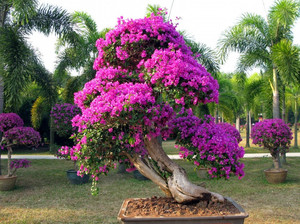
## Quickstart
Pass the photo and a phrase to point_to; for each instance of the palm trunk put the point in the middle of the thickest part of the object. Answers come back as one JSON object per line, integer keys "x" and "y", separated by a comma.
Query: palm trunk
{"x": 52, "y": 148}
{"x": 284, "y": 119}
{"x": 250, "y": 122}
{"x": 169, "y": 176}
{"x": 237, "y": 123}
{"x": 283, "y": 112}
{"x": 276, "y": 105}
{"x": 217, "y": 115}
{"x": 247, "y": 130}
{"x": 295, "y": 125}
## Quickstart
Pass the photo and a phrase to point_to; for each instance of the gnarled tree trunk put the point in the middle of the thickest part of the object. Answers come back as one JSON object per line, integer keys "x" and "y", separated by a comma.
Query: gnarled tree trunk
{"x": 169, "y": 176}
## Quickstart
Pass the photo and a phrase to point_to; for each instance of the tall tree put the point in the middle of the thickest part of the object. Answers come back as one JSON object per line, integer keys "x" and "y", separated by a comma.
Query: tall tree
{"x": 255, "y": 38}
{"x": 246, "y": 90}
{"x": 19, "y": 62}
{"x": 293, "y": 95}
{"x": 77, "y": 51}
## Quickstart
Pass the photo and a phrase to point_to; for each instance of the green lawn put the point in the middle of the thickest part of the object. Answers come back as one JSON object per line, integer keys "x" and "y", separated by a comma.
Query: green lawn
{"x": 43, "y": 194}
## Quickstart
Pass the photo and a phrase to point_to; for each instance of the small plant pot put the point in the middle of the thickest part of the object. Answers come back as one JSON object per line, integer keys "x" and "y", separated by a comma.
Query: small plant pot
{"x": 7, "y": 183}
{"x": 275, "y": 176}
{"x": 74, "y": 179}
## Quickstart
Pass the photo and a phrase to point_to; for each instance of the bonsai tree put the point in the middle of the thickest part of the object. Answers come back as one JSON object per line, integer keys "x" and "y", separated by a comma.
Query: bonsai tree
{"x": 147, "y": 79}
{"x": 274, "y": 135}
{"x": 14, "y": 134}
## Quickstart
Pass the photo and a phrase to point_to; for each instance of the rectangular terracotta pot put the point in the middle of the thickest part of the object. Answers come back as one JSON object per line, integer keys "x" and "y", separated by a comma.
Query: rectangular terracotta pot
{"x": 225, "y": 219}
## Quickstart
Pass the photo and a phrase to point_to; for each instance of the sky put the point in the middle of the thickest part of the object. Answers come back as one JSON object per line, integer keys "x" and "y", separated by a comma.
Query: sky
{"x": 203, "y": 20}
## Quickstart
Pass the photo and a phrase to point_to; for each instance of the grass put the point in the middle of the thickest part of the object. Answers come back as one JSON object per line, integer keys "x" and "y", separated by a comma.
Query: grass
{"x": 43, "y": 194}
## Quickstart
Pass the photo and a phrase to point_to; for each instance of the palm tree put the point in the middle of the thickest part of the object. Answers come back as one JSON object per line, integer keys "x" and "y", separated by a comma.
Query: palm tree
{"x": 77, "y": 51}
{"x": 19, "y": 64}
{"x": 293, "y": 94}
{"x": 255, "y": 38}
{"x": 246, "y": 90}
{"x": 228, "y": 100}
{"x": 286, "y": 56}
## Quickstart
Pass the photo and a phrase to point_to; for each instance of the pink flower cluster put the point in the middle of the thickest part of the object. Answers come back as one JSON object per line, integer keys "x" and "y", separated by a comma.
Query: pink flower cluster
{"x": 231, "y": 130}
{"x": 10, "y": 120}
{"x": 22, "y": 136}
{"x": 272, "y": 134}
{"x": 62, "y": 115}
{"x": 19, "y": 163}
{"x": 208, "y": 145}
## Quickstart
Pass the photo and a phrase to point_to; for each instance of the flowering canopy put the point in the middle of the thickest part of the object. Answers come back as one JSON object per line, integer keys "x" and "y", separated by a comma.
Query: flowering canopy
{"x": 22, "y": 136}
{"x": 145, "y": 74}
{"x": 62, "y": 115}
{"x": 272, "y": 134}
{"x": 10, "y": 120}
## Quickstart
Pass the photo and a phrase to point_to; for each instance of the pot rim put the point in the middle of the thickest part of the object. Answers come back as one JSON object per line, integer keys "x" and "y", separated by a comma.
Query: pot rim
{"x": 272, "y": 170}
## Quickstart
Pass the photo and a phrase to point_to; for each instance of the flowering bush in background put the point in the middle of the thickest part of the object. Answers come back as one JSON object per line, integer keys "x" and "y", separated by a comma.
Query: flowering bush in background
{"x": 62, "y": 115}
{"x": 145, "y": 74}
{"x": 10, "y": 120}
{"x": 274, "y": 135}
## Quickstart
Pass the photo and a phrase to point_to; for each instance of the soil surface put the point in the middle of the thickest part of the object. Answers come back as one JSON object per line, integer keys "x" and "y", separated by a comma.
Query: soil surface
{"x": 160, "y": 206}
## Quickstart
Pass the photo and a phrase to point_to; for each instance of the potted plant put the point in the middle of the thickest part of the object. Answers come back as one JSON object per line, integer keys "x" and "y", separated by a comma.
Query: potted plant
{"x": 62, "y": 115}
{"x": 73, "y": 175}
{"x": 15, "y": 134}
{"x": 276, "y": 136}
{"x": 147, "y": 80}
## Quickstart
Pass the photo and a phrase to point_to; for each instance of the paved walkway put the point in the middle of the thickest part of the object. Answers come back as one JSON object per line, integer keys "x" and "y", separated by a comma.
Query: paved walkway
{"x": 247, "y": 155}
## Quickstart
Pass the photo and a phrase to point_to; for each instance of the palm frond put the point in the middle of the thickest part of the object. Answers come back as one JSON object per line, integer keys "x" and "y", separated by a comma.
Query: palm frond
{"x": 49, "y": 19}
{"x": 286, "y": 57}
{"x": 15, "y": 54}
{"x": 84, "y": 22}
{"x": 207, "y": 57}
{"x": 242, "y": 38}
{"x": 281, "y": 18}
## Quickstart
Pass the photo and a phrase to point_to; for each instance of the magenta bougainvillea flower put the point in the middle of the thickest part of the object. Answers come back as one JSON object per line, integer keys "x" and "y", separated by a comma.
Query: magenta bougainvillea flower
{"x": 62, "y": 115}
{"x": 10, "y": 120}
{"x": 146, "y": 75}
{"x": 22, "y": 136}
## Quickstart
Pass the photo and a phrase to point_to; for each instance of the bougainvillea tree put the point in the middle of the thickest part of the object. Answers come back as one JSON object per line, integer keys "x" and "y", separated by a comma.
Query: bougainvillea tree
{"x": 274, "y": 135}
{"x": 62, "y": 115}
{"x": 15, "y": 134}
{"x": 146, "y": 81}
